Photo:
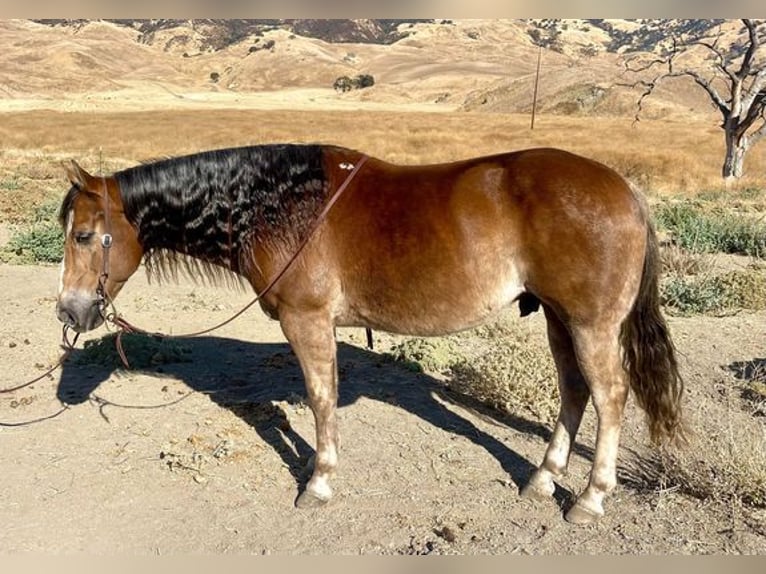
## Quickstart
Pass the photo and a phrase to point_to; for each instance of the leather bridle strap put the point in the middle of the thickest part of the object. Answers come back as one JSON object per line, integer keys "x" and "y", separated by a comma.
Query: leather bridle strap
{"x": 106, "y": 244}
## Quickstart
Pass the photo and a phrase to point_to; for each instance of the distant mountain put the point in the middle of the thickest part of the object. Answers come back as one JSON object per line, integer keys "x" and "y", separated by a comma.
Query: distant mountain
{"x": 565, "y": 35}
{"x": 221, "y": 33}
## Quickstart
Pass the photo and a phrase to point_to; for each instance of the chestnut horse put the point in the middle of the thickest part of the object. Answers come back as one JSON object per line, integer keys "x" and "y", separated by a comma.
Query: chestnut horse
{"x": 419, "y": 250}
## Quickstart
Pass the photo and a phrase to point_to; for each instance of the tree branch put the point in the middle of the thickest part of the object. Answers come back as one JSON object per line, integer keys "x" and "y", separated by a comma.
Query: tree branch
{"x": 720, "y": 103}
{"x": 752, "y": 46}
{"x": 755, "y": 91}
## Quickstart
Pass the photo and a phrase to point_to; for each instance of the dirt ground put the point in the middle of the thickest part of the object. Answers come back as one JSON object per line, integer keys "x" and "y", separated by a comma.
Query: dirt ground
{"x": 206, "y": 455}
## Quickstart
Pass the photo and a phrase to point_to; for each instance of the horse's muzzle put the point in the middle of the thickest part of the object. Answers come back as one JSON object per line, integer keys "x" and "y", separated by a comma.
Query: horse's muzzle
{"x": 79, "y": 312}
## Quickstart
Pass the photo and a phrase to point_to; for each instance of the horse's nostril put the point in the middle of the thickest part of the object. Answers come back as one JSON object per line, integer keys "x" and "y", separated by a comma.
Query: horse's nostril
{"x": 65, "y": 316}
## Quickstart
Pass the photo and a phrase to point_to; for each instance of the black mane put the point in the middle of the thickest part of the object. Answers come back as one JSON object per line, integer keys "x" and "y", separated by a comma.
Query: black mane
{"x": 213, "y": 206}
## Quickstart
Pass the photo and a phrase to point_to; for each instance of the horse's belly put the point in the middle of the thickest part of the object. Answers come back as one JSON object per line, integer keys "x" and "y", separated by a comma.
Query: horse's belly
{"x": 436, "y": 304}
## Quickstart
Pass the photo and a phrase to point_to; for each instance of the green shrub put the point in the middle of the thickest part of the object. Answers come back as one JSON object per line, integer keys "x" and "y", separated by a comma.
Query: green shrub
{"x": 700, "y": 231}
{"x": 694, "y": 295}
{"x": 715, "y": 294}
{"x": 11, "y": 184}
{"x": 142, "y": 351}
{"x": 41, "y": 242}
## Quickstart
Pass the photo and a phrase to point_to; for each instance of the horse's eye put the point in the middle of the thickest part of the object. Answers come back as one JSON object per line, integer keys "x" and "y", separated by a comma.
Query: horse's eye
{"x": 83, "y": 237}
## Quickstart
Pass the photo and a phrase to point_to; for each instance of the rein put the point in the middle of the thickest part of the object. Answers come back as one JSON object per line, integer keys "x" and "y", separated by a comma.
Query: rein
{"x": 123, "y": 326}
{"x": 68, "y": 347}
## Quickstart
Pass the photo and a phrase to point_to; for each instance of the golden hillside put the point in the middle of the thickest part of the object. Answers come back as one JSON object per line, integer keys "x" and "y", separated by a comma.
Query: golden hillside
{"x": 482, "y": 65}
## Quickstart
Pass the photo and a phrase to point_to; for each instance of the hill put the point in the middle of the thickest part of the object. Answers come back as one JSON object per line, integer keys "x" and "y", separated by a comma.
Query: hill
{"x": 485, "y": 65}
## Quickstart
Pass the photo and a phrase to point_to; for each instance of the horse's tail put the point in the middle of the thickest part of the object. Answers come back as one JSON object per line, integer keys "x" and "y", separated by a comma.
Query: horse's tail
{"x": 649, "y": 354}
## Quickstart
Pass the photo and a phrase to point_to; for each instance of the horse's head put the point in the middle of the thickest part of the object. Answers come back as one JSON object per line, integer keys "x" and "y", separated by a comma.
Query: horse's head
{"x": 101, "y": 249}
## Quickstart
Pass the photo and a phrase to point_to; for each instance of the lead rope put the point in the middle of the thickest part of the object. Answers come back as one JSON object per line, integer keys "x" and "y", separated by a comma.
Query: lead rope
{"x": 123, "y": 326}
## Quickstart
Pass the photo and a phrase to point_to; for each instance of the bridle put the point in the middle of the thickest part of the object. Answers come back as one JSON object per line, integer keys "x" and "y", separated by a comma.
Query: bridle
{"x": 102, "y": 297}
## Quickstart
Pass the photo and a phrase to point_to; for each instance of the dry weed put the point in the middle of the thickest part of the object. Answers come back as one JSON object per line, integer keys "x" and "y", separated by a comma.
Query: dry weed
{"x": 726, "y": 457}
{"x": 433, "y": 355}
{"x": 679, "y": 261}
{"x": 516, "y": 374}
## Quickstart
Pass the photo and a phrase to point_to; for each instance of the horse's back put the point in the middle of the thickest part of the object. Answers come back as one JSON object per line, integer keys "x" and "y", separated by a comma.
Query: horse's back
{"x": 435, "y": 248}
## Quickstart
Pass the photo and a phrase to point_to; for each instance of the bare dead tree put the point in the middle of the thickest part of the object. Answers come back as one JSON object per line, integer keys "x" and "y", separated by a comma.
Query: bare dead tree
{"x": 734, "y": 78}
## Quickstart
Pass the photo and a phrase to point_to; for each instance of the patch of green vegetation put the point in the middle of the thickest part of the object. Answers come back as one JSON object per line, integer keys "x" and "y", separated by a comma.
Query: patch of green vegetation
{"x": 42, "y": 241}
{"x": 142, "y": 351}
{"x": 685, "y": 295}
{"x": 712, "y": 230}
{"x": 10, "y": 184}
{"x": 715, "y": 294}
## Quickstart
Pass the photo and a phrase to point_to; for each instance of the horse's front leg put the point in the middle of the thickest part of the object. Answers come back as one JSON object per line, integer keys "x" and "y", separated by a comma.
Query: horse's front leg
{"x": 311, "y": 336}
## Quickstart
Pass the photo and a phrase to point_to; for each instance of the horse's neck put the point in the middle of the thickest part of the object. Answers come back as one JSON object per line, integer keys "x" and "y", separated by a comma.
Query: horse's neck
{"x": 223, "y": 227}
{"x": 206, "y": 228}
{"x": 215, "y": 206}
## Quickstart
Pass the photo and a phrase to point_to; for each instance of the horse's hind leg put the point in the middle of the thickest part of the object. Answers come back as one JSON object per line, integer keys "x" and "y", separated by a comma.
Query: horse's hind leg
{"x": 312, "y": 340}
{"x": 598, "y": 351}
{"x": 574, "y": 397}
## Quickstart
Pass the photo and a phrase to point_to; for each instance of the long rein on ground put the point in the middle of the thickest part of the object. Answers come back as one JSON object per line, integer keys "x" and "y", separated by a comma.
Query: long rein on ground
{"x": 123, "y": 326}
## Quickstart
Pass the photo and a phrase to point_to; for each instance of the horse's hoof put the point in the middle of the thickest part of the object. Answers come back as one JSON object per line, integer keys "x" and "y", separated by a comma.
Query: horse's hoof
{"x": 539, "y": 487}
{"x": 310, "y": 500}
{"x": 578, "y": 514}
{"x": 534, "y": 492}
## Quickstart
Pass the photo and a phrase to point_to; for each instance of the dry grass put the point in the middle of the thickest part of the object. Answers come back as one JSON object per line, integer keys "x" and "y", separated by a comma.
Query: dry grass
{"x": 726, "y": 457}
{"x": 659, "y": 156}
{"x": 681, "y": 262}
{"x": 506, "y": 365}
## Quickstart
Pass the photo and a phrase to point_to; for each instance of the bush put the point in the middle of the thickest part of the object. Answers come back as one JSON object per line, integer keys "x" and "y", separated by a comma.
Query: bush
{"x": 346, "y": 83}
{"x": 342, "y": 84}
{"x": 516, "y": 373}
{"x": 142, "y": 351}
{"x": 364, "y": 81}
{"x": 434, "y": 354}
{"x": 499, "y": 364}
{"x": 725, "y": 460}
{"x": 41, "y": 242}
{"x": 718, "y": 231}
{"x": 715, "y": 294}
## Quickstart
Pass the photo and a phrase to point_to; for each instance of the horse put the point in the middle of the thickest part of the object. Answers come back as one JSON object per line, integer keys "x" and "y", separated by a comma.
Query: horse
{"x": 331, "y": 237}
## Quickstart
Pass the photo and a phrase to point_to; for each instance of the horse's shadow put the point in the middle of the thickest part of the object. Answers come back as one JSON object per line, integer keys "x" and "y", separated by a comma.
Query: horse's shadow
{"x": 249, "y": 378}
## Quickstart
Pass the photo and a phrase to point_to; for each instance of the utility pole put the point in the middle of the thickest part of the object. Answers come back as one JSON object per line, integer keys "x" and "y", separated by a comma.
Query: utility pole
{"x": 537, "y": 80}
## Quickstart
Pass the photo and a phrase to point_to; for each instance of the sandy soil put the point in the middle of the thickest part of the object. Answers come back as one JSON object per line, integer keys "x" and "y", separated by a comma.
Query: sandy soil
{"x": 207, "y": 455}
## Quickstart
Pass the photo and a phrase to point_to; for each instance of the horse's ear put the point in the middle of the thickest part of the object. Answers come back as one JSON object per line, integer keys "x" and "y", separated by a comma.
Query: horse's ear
{"x": 77, "y": 175}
